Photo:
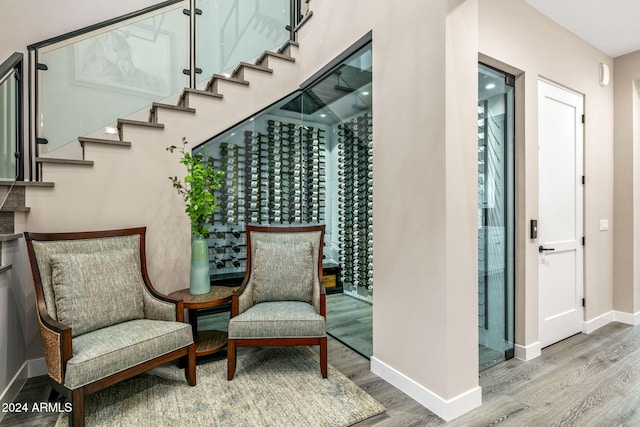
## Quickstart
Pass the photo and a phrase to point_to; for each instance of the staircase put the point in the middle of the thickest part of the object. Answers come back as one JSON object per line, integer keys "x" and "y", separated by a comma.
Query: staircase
{"x": 106, "y": 188}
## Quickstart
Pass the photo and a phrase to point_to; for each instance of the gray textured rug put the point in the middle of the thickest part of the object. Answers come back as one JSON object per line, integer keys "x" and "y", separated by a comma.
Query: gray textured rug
{"x": 279, "y": 386}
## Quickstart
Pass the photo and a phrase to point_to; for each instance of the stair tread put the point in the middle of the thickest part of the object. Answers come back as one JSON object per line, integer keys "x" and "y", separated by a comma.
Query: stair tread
{"x": 173, "y": 107}
{"x": 9, "y": 237}
{"x": 4, "y": 268}
{"x": 203, "y": 92}
{"x": 64, "y": 161}
{"x": 84, "y": 139}
{"x": 27, "y": 184}
{"x": 255, "y": 67}
{"x": 15, "y": 209}
{"x": 229, "y": 79}
{"x": 268, "y": 53}
{"x": 140, "y": 123}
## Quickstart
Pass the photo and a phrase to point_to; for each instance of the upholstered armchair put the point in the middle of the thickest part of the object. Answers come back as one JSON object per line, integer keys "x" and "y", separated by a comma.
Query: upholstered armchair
{"x": 101, "y": 321}
{"x": 281, "y": 301}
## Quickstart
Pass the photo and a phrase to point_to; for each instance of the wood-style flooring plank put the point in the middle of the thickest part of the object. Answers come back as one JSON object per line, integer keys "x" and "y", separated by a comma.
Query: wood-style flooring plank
{"x": 584, "y": 381}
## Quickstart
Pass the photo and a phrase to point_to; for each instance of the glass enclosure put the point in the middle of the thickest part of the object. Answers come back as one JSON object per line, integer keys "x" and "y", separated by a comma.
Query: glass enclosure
{"x": 307, "y": 160}
{"x": 9, "y": 87}
{"x": 495, "y": 216}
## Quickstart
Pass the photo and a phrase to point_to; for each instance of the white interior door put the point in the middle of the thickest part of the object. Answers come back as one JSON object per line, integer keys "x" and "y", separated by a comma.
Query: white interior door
{"x": 560, "y": 225}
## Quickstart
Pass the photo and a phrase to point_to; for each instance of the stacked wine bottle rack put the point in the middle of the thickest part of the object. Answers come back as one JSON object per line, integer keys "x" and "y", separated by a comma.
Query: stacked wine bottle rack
{"x": 274, "y": 177}
{"x": 355, "y": 202}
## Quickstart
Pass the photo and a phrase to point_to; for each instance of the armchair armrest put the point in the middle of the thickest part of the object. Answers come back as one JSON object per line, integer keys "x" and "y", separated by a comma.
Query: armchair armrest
{"x": 235, "y": 298}
{"x": 163, "y": 307}
{"x": 323, "y": 300}
{"x": 56, "y": 343}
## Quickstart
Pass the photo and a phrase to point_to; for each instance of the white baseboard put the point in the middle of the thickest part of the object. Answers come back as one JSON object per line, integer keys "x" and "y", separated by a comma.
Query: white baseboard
{"x": 627, "y": 318}
{"x": 611, "y": 316}
{"x": 528, "y": 352}
{"x": 598, "y": 322}
{"x": 13, "y": 388}
{"x": 37, "y": 367}
{"x": 445, "y": 409}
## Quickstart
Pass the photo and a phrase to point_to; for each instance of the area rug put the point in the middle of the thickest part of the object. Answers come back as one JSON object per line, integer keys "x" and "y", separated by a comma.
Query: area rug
{"x": 273, "y": 386}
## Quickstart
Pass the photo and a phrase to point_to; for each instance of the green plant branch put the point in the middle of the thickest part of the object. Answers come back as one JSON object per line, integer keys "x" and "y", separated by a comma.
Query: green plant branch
{"x": 197, "y": 188}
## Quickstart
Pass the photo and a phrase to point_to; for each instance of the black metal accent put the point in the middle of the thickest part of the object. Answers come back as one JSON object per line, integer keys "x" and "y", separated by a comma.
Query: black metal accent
{"x": 534, "y": 229}
{"x": 583, "y": 241}
{"x": 186, "y": 71}
{"x": 198, "y": 70}
{"x": 583, "y": 119}
{"x": 42, "y": 67}
{"x": 42, "y": 141}
{"x": 322, "y": 72}
{"x": 198, "y": 11}
{"x": 509, "y": 79}
{"x": 584, "y": 302}
{"x": 14, "y": 63}
{"x": 186, "y": 12}
{"x": 582, "y": 179}
{"x": 543, "y": 249}
{"x": 509, "y": 353}
{"x": 102, "y": 24}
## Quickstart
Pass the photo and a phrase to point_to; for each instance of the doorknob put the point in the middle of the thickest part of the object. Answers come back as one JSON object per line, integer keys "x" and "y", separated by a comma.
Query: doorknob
{"x": 543, "y": 249}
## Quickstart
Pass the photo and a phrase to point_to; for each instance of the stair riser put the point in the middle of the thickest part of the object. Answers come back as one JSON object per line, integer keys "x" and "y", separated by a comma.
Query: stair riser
{"x": 7, "y": 223}
{"x": 227, "y": 88}
{"x": 15, "y": 199}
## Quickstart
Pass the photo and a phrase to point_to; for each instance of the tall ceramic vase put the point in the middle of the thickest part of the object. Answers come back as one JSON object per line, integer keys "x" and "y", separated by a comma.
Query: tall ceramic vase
{"x": 199, "y": 282}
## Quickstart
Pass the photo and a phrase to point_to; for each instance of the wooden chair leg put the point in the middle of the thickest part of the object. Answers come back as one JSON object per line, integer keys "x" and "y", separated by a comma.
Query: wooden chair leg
{"x": 53, "y": 395}
{"x": 77, "y": 403}
{"x": 190, "y": 368}
{"x": 323, "y": 357}
{"x": 231, "y": 359}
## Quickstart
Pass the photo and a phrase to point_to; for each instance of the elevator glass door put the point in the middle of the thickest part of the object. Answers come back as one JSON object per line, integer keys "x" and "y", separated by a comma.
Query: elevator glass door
{"x": 495, "y": 216}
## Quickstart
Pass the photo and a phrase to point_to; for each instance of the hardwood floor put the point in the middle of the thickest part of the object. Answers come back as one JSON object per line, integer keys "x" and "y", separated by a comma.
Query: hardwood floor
{"x": 586, "y": 380}
{"x": 350, "y": 320}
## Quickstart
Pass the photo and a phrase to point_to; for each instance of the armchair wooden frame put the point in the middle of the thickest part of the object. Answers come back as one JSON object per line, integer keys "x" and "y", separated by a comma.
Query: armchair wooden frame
{"x": 56, "y": 337}
{"x": 277, "y": 341}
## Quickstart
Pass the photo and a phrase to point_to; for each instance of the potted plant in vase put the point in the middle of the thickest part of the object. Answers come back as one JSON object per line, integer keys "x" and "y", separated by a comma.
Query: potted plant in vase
{"x": 197, "y": 189}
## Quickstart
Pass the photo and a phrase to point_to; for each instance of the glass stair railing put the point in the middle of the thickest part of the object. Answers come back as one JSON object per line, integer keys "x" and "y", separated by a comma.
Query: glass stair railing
{"x": 87, "y": 83}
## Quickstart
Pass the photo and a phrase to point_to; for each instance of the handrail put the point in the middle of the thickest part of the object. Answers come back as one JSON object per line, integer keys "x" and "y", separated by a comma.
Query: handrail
{"x": 103, "y": 24}
{"x": 10, "y": 63}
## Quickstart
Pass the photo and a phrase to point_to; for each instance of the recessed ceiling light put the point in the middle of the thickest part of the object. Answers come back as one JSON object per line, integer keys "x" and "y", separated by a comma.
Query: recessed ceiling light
{"x": 323, "y": 115}
{"x": 365, "y": 93}
{"x": 490, "y": 86}
{"x": 110, "y": 130}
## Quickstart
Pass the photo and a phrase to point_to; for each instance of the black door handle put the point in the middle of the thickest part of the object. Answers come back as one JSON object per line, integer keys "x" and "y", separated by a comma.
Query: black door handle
{"x": 543, "y": 249}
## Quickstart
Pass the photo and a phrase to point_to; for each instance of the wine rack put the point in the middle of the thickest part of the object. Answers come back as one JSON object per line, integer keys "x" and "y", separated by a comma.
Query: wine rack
{"x": 277, "y": 177}
{"x": 355, "y": 202}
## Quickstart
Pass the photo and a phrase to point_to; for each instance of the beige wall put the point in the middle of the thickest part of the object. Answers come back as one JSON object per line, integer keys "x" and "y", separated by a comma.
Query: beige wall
{"x": 425, "y": 183}
{"x": 626, "y": 296}
{"x": 37, "y": 20}
{"x": 515, "y": 34}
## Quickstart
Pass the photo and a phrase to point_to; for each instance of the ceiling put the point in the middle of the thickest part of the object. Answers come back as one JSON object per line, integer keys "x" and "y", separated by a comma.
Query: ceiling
{"x": 609, "y": 25}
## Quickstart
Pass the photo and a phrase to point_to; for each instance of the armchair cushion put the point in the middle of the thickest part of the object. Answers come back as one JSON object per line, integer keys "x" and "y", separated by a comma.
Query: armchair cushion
{"x": 106, "y": 351}
{"x": 96, "y": 290}
{"x": 283, "y": 271}
{"x": 282, "y": 319}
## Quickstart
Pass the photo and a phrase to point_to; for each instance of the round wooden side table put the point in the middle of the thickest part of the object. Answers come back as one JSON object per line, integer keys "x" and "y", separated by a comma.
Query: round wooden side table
{"x": 207, "y": 341}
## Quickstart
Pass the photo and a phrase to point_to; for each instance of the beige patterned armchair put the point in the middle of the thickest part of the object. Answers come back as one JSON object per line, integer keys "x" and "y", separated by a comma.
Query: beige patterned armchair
{"x": 281, "y": 301}
{"x": 101, "y": 321}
